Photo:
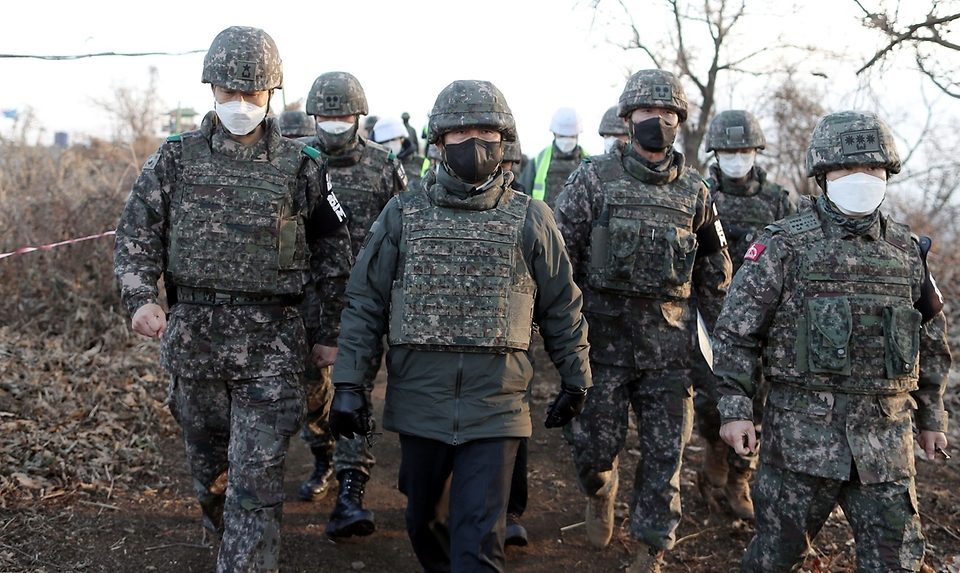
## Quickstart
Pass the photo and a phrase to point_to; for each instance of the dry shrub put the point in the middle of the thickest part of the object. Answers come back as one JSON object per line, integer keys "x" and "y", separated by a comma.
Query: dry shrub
{"x": 80, "y": 395}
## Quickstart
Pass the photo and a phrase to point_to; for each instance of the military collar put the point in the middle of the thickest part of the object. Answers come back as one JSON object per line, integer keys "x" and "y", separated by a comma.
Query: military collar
{"x": 838, "y": 226}
{"x": 222, "y": 144}
{"x": 661, "y": 173}
{"x": 451, "y": 192}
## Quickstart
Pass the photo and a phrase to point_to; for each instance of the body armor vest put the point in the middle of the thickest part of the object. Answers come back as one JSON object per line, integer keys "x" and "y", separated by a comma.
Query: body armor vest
{"x": 745, "y": 215}
{"x": 465, "y": 284}
{"x": 643, "y": 244}
{"x": 359, "y": 187}
{"x": 849, "y": 325}
{"x": 234, "y": 227}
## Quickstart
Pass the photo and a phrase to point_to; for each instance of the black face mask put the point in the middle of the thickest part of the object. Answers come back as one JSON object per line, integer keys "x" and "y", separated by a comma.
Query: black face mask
{"x": 654, "y": 134}
{"x": 473, "y": 160}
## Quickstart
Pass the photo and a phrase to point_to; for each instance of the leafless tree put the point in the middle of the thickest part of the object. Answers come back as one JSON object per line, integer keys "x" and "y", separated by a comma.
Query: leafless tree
{"x": 697, "y": 67}
{"x": 795, "y": 108}
{"x": 136, "y": 114}
{"x": 929, "y": 40}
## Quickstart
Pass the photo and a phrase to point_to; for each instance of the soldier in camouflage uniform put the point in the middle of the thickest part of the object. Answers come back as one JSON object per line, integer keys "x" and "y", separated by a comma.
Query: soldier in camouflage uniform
{"x": 391, "y": 133}
{"x": 455, "y": 273}
{"x": 295, "y": 123}
{"x": 544, "y": 176}
{"x": 612, "y": 129}
{"x": 839, "y": 303}
{"x": 364, "y": 176}
{"x": 642, "y": 234}
{"x": 748, "y": 201}
{"x": 240, "y": 224}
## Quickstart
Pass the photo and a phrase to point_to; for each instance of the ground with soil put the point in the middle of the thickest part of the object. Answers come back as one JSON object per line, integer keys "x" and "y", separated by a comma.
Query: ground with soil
{"x": 154, "y": 525}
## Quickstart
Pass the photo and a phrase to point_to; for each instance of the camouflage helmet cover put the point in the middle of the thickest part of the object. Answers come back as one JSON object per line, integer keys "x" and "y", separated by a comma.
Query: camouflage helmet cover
{"x": 653, "y": 88}
{"x": 296, "y": 123}
{"x": 336, "y": 94}
{"x": 471, "y": 103}
{"x": 612, "y": 124}
{"x": 511, "y": 151}
{"x": 244, "y": 59}
{"x": 735, "y": 129}
{"x": 851, "y": 138}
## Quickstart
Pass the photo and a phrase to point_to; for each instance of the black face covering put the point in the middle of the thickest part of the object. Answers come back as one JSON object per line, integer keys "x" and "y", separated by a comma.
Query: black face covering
{"x": 654, "y": 134}
{"x": 474, "y": 159}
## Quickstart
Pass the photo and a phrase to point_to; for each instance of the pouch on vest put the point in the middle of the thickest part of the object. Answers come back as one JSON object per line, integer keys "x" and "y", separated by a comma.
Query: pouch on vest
{"x": 681, "y": 252}
{"x": 901, "y": 334}
{"x": 830, "y": 325}
{"x": 623, "y": 239}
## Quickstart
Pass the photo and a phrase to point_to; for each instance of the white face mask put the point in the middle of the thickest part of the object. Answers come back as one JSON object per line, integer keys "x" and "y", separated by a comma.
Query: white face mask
{"x": 736, "y": 165}
{"x": 239, "y": 117}
{"x": 566, "y": 144}
{"x": 857, "y": 195}
{"x": 334, "y": 127}
{"x": 609, "y": 142}
{"x": 394, "y": 145}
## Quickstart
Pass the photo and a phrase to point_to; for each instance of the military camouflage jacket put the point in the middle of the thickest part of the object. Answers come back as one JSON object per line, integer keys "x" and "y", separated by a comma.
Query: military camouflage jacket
{"x": 234, "y": 341}
{"x": 812, "y": 429}
{"x": 456, "y": 397}
{"x": 748, "y": 207}
{"x": 632, "y": 331}
{"x": 364, "y": 177}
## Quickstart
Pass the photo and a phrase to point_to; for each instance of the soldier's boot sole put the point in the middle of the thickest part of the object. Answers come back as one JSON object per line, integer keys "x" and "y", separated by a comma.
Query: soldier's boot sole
{"x": 360, "y": 524}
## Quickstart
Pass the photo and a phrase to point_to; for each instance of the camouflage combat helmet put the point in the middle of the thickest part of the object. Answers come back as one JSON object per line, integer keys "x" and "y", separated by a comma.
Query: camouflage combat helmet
{"x": 336, "y": 94}
{"x": 244, "y": 59}
{"x": 851, "y": 138}
{"x": 653, "y": 88}
{"x": 611, "y": 124}
{"x": 296, "y": 123}
{"x": 471, "y": 103}
{"x": 735, "y": 129}
{"x": 511, "y": 151}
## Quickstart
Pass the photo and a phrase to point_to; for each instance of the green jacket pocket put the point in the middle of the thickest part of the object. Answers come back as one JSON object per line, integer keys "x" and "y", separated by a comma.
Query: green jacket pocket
{"x": 828, "y": 336}
{"x": 901, "y": 334}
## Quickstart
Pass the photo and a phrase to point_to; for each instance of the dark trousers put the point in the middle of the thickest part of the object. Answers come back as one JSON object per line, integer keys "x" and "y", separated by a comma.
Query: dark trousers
{"x": 480, "y": 472}
{"x": 518, "y": 483}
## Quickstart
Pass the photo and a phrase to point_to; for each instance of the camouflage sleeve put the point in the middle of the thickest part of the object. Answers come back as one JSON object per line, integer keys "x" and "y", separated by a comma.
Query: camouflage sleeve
{"x": 712, "y": 268}
{"x": 748, "y": 310}
{"x": 559, "y": 300}
{"x": 331, "y": 257}
{"x": 139, "y": 251}
{"x": 788, "y": 203}
{"x": 367, "y": 299}
{"x": 935, "y": 361}
{"x": 394, "y": 177}
{"x": 574, "y": 216}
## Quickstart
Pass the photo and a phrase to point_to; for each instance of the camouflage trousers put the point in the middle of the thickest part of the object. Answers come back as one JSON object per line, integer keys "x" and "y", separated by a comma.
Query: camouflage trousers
{"x": 346, "y": 454}
{"x": 663, "y": 405}
{"x": 791, "y": 508}
{"x": 242, "y": 428}
{"x": 705, "y": 399}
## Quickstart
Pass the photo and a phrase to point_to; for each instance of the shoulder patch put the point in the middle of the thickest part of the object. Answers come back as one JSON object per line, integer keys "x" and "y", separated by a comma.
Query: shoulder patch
{"x": 310, "y": 152}
{"x": 174, "y": 138}
{"x": 401, "y": 175}
{"x": 151, "y": 162}
{"x": 587, "y": 160}
{"x": 756, "y": 249}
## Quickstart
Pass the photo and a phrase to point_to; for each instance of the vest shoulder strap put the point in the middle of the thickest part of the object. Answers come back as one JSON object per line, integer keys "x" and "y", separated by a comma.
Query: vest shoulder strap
{"x": 897, "y": 234}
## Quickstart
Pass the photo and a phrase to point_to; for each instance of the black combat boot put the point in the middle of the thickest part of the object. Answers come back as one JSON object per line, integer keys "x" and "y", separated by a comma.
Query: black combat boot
{"x": 319, "y": 483}
{"x": 348, "y": 517}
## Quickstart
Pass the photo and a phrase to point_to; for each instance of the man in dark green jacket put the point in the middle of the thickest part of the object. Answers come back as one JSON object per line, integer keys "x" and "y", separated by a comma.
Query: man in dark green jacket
{"x": 455, "y": 274}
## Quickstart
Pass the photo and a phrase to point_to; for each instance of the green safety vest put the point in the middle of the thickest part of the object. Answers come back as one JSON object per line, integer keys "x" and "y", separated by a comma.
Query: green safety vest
{"x": 543, "y": 167}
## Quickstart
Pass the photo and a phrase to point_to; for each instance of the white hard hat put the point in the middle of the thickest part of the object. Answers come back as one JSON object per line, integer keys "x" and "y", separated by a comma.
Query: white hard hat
{"x": 388, "y": 128}
{"x": 566, "y": 122}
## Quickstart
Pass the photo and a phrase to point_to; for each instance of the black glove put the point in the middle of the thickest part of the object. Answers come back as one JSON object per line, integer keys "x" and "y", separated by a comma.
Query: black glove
{"x": 349, "y": 413}
{"x": 567, "y": 404}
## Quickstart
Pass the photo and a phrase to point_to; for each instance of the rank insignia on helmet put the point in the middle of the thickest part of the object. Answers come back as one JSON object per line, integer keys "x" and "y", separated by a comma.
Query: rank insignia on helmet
{"x": 246, "y": 70}
{"x": 661, "y": 91}
{"x": 735, "y": 134}
{"x": 331, "y": 101}
{"x": 862, "y": 141}
{"x": 754, "y": 252}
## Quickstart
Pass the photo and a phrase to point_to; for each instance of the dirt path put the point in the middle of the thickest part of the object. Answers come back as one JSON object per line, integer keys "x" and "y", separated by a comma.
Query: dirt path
{"x": 160, "y": 531}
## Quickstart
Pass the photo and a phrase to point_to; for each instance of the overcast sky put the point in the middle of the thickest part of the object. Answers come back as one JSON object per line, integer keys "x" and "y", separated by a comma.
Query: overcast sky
{"x": 542, "y": 54}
